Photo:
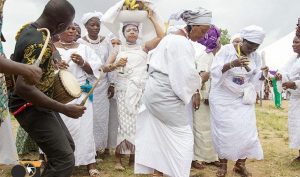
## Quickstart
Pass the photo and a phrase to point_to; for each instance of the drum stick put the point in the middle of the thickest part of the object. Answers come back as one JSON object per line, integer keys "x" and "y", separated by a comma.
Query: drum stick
{"x": 38, "y": 61}
{"x": 92, "y": 90}
{"x": 239, "y": 56}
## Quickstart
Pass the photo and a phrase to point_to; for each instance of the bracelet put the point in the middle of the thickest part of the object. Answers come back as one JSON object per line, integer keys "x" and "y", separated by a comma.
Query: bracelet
{"x": 82, "y": 64}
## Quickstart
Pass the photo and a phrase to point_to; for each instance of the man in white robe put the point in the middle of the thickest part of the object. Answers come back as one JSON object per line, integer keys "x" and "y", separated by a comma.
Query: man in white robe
{"x": 235, "y": 81}
{"x": 164, "y": 137}
{"x": 290, "y": 75}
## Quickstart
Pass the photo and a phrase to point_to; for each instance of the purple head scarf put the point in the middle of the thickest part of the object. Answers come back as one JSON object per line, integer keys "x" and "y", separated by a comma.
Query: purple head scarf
{"x": 210, "y": 40}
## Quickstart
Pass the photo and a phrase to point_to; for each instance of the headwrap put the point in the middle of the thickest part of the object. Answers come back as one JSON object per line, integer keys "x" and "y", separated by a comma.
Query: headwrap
{"x": 131, "y": 23}
{"x": 236, "y": 36}
{"x": 86, "y": 17}
{"x": 253, "y": 34}
{"x": 210, "y": 40}
{"x": 111, "y": 36}
{"x": 199, "y": 16}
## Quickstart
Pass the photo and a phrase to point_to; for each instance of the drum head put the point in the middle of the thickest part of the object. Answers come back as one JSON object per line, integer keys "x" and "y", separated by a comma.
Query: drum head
{"x": 70, "y": 83}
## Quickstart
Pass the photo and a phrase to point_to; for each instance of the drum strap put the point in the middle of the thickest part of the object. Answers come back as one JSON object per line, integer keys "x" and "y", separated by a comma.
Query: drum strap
{"x": 22, "y": 108}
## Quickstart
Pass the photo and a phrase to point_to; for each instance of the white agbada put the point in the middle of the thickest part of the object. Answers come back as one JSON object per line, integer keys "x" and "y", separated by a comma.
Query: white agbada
{"x": 129, "y": 89}
{"x": 81, "y": 129}
{"x": 203, "y": 146}
{"x": 164, "y": 137}
{"x": 291, "y": 72}
{"x": 234, "y": 128}
{"x": 101, "y": 104}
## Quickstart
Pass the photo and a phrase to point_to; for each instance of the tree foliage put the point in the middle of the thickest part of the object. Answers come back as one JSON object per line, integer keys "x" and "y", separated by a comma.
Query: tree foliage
{"x": 225, "y": 37}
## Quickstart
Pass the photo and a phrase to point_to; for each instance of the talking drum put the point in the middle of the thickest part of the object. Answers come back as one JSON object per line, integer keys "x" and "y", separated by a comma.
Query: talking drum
{"x": 66, "y": 87}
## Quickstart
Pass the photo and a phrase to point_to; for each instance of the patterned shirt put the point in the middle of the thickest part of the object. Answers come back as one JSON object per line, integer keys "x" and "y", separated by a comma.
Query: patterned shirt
{"x": 3, "y": 91}
{"x": 28, "y": 48}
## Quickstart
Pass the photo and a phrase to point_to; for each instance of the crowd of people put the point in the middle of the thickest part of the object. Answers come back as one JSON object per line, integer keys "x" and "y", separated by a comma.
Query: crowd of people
{"x": 176, "y": 101}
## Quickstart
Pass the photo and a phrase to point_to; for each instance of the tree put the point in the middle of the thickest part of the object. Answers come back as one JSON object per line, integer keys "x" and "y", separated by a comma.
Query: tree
{"x": 225, "y": 37}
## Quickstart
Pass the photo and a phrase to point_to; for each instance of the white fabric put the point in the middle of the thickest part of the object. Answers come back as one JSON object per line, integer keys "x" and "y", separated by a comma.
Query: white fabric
{"x": 81, "y": 129}
{"x": 87, "y": 16}
{"x": 253, "y": 34}
{"x": 291, "y": 72}
{"x": 113, "y": 124}
{"x": 101, "y": 101}
{"x": 129, "y": 88}
{"x": 234, "y": 128}
{"x": 198, "y": 16}
{"x": 8, "y": 150}
{"x": 203, "y": 63}
{"x": 112, "y": 21}
{"x": 168, "y": 146}
{"x": 203, "y": 146}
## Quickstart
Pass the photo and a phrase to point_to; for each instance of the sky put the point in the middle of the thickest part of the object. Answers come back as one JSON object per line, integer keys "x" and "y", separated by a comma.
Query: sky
{"x": 277, "y": 17}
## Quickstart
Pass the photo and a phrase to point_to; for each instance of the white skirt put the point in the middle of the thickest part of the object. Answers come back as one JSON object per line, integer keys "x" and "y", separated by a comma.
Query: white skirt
{"x": 294, "y": 123}
{"x": 81, "y": 130}
{"x": 101, "y": 115}
{"x": 203, "y": 147}
{"x": 161, "y": 147}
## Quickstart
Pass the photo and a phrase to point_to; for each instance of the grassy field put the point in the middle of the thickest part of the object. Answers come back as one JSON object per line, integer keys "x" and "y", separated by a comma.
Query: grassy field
{"x": 272, "y": 126}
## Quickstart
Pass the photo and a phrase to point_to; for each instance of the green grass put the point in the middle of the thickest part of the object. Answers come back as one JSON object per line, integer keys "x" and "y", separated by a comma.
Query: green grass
{"x": 272, "y": 127}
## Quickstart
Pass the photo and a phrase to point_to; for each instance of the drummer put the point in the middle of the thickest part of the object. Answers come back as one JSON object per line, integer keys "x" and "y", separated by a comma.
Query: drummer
{"x": 43, "y": 122}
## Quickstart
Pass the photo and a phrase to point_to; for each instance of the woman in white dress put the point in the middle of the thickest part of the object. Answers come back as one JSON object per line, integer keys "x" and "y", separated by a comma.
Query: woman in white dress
{"x": 203, "y": 147}
{"x": 164, "y": 139}
{"x": 290, "y": 76}
{"x": 105, "y": 90}
{"x": 130, "y": 84}
{"x": 83, "y": 63}
{"x": 236, "y": 78}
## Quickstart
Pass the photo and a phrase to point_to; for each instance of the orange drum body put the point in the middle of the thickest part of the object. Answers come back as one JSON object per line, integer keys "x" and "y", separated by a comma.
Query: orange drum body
{"x": 66, "y": 87}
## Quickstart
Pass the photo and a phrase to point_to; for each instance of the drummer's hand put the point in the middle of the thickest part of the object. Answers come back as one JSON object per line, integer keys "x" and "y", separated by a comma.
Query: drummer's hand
{"x": 32, "y": 75}
{"x": 62, "y": 64}
{"x": 111, "y": 91}
{"x": 122, "y": 62}
{"x": 196, "y": 101}
{"x": 73, "y": 110}
{"x": 289, "y": 85}
{"x": 77, "y": 59}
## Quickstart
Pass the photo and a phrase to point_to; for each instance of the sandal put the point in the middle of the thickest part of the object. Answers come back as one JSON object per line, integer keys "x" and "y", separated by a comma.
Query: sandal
{"x": 241, "y": 169}
{"x": 222, "y": 171}
{"x": 94, "y": 173}
{"x": 119, "y": 167}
